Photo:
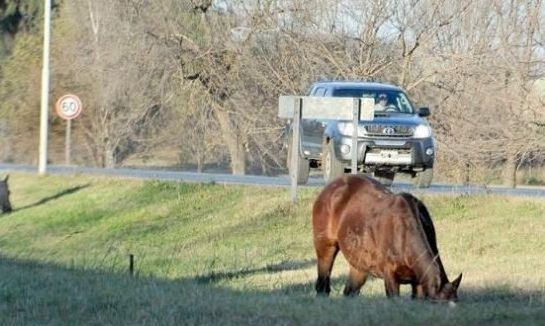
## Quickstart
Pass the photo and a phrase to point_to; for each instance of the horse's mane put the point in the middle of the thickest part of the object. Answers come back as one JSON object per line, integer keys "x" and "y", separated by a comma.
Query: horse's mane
{"x": 423, "y": 216}
{"x": 412, "y": 201}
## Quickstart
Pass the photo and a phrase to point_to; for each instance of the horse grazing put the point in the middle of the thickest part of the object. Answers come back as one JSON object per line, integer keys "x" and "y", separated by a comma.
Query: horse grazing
{"x": 381, "y": 234}
{"x": 5, "y": 205}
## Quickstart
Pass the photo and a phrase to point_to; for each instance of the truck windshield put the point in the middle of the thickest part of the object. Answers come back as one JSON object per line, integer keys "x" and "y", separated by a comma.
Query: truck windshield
{"x": 385, "y": 101}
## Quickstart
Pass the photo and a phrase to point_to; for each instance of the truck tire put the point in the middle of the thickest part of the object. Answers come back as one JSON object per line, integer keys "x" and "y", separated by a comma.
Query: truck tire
{"x": 423, "y": 179}
{"x": 303, "y": 167}
{"x": 386, "y": 178}
{"x": 332, "y": 168}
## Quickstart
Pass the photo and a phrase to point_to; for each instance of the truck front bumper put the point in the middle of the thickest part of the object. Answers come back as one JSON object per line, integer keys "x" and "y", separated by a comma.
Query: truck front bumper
{"x": 407, "y": 153}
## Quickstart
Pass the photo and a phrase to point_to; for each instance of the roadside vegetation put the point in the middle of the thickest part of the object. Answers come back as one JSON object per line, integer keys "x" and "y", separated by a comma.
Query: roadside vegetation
{"x": 231, "y": 255}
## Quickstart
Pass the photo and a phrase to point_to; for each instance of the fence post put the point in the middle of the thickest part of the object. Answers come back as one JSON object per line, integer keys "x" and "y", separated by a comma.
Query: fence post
{"x": 296, "y": 132}
{"x": 355, "y": 123}
{"x": 131, "y": 264}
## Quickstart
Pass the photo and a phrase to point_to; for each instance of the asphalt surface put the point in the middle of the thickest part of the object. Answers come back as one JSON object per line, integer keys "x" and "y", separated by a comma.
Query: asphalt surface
{"x": 278, "y": 181}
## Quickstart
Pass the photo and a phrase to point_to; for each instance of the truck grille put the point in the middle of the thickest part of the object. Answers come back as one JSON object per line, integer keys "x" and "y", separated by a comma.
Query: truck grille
{"x": 389, "y": 131}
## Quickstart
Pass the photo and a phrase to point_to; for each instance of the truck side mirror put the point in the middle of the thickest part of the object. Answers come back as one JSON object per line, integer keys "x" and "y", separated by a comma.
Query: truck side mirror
{"x": 424, "y": 112}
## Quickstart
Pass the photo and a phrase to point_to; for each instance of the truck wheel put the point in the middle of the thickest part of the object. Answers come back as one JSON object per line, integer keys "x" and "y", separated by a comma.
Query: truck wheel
{"x": 332, "y": 168}
{"x": 423, "y": 179}
{"x": 386, "y": 178}
{"x": 303, "y": 167}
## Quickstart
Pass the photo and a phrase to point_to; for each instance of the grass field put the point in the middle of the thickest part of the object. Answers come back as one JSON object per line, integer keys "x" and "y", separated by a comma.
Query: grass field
{"x": 231, "y": 255}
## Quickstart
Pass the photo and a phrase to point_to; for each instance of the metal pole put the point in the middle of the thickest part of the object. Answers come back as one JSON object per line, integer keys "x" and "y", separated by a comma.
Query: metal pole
{"x": 68, "y": 141}
{"x": 296, "y": 132}
{"x": 355, "y": 122}
{"x": 42, "y": 163}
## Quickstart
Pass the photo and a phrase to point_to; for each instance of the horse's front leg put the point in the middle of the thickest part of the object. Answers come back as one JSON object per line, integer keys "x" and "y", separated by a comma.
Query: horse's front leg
{"x": 391, "y": 285}
{"x": 417, "y": 291}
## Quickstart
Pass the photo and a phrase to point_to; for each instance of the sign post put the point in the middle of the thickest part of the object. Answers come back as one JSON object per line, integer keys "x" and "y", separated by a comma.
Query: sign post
{"x": 355, "y": 122}
{"x": 68, "y": 108}
{"x": 294, "y": 175}
{"x": 363, "y": 111}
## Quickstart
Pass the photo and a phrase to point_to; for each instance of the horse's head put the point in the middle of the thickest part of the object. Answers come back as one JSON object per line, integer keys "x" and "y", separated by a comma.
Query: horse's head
{"x": 449, "y": 291}
{"x": 5, "y": 204}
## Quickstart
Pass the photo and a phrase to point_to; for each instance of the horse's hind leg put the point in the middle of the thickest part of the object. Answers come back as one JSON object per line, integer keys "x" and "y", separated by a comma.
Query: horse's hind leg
{"x": 326, "y": 253}
{"x": 356, "y": 279}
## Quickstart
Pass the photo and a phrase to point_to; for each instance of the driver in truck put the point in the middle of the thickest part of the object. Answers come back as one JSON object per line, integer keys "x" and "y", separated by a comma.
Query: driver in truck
{"x": 381, "y": 102}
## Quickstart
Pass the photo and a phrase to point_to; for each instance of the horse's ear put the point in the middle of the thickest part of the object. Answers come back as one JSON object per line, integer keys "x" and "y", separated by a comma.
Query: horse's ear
{"x": 456, "y": 282}
{"x": 6, "y": 178}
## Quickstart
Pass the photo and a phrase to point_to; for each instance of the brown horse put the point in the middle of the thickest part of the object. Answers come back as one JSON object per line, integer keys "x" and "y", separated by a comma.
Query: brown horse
{"x": 381, "y": 234}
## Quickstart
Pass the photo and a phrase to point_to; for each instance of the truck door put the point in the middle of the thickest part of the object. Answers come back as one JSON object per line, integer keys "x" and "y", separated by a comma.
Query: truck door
{"x": 311, "y": 137}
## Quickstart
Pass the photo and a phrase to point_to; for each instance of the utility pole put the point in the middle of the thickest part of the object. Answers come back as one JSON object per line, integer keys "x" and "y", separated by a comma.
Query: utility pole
{"x": 42, "y": 164}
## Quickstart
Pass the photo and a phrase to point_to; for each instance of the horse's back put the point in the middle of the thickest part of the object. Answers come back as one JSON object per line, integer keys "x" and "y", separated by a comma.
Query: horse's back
{"x": 344, "y": 197}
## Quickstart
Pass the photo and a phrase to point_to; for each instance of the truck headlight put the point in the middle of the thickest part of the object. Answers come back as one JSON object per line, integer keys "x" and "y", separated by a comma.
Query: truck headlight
{"x": 422, "y": 131}
{"x": 429, "y": 151}
{"x": 347, "y": 128}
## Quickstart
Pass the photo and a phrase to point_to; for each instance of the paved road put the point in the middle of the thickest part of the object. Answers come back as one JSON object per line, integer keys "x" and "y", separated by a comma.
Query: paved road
{"x": 280, "y": 181}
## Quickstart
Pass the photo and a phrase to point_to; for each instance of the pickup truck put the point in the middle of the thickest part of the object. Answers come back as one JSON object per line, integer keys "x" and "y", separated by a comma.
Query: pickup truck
{"x": 398, "y": 140}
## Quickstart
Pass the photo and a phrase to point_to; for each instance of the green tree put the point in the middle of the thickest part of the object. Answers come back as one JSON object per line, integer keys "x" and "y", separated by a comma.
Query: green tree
{"x": 21, "y": 38}
{"x": 20, "y": 100}
{"x": 18, "y": 16}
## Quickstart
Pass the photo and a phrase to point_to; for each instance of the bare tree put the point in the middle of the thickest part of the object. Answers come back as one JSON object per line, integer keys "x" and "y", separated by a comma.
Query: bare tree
{"x": 124, "y": 73}
{"x": 196, "y": 133}
{"x": 486, "y": 115}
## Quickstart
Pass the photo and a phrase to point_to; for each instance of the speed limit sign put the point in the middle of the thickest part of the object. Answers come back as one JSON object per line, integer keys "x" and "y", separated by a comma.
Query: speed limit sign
{"x": 68, "y": 106}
